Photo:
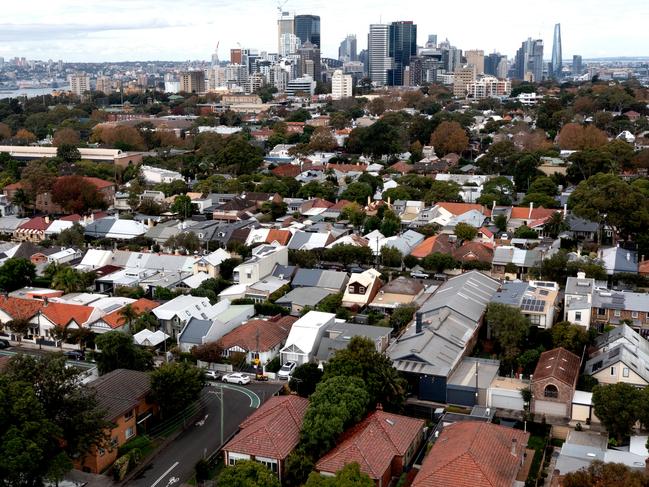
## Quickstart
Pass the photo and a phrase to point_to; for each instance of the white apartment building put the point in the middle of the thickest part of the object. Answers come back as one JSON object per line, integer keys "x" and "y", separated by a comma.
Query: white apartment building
{"x": 379, "y": 60}
{"x": 489, "y": 87}
{"x": 341, "y": 85}
{"x": 79, "y": 84}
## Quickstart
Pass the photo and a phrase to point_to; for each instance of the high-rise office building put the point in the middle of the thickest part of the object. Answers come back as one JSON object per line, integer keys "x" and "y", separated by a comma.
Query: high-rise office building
{"x": 451, "y": 56}
{"x": 402, "y": 45}
{"x": 378, "y": 59}
{"x": 307, "y": 28}
{"x": 475, "y": 57}
{"x": 310, "y": 61}
{"x": 557, "y": 60}
{"x": 495, "y": 64}
{"x": 285, "y": 25}
{"x": 288, "y": 44}
{"x": 577, "y": 66}
{"x": 341, "y": 85}
{"x": 79, "y": 84}
{"x": 215, "y": 57}
{"x": 235, "y": 56}
{"x": 192, "y": 82}
{"x": 432, "y": 41}
{"x": 528, "y": 65}
{"x": 347, "y": 49}
{"x": 104, "y": 84}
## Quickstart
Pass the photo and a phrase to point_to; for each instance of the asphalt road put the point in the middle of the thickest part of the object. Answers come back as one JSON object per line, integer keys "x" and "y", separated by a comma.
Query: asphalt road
{"x": 175, "y": 464}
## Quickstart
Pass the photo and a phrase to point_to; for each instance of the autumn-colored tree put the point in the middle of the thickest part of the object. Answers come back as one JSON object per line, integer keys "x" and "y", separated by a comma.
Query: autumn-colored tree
{"x": 376, "y": 106}
{"x": 449, "y": 137}
{"x": 641, "y": 160}
{"x": 168, "y": 139}
{"x": 65, "y": 136}
{"x": 25, "y": 136}
{"x": 322, "y": 140}
{"x": 5, "y": 131}
{"x": 577, "y": 137}
{"x": 37, "y": 178}
{"x": 76, "y": 195}
{"x": 120, "y": 136}
{"x": 533, "y": 141}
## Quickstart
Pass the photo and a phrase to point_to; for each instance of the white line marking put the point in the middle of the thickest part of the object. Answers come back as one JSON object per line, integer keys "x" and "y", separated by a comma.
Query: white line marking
{"x": 164, "y": 474}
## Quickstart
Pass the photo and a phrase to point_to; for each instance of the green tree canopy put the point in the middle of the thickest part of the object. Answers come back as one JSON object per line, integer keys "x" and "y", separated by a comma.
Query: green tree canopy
{"x": 571, "y": 337}
{"x": 349, "y": 476}
{"x": 499, "y": 189}
{"x": 176, "y": 385}
{"x": 464, "y": 231}
{"x": 617, "y": 407}
{"x": 599, "y": 474}
{"x": 509, "y": 327}
{"x": 119, "y": 352}
{"x": 305, "y": 378}
{"x": 248, "y": 473}
{"x": 16, "y": 273}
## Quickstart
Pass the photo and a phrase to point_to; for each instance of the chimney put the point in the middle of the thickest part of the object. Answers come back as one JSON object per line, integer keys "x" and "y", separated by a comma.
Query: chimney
{"x": 581, "y": 275}
{"x": 531, "y": 209}
{"x": 47, "y": 219}
{"x": 514, "y": 444}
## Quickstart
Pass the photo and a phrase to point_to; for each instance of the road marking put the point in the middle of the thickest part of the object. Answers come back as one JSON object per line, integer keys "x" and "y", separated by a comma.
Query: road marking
{"x": 164, "y": 474}
{"x": 255, "y": 401}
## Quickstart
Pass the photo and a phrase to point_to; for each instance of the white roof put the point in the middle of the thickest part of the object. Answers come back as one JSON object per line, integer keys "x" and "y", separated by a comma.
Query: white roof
{"x": 57, "y": 226}
{"x": 126, "y": 229}
{"x": 218, "y": 256}
{"x": 365, "y": 278}
{"x": 582, "y": 397}
{"x": 306, "y": 330}
{"x": 149, "y": 338}
{"x": 95, "y": 258}
{"x": 257, "y": 235}
{"x": 234, "y": 290}
{"x": 196, "y": 280}
{"x": 373, "y": 235}
{"x": 62, "y": 253}
{"x": 186, "y": 307}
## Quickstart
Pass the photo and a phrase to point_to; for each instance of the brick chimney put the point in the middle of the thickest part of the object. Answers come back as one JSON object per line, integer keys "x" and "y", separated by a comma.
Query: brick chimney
{"x": 514, "y": 445}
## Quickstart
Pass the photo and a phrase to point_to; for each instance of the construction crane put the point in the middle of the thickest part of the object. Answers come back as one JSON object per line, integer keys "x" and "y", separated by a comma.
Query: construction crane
{"x": 280, "y": 6}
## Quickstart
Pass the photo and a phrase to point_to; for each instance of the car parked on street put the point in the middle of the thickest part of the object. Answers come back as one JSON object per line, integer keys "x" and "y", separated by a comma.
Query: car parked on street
{"x": 4, "y": 344}
{"x": 286, "y": 371}
{"x": 74, "y": 354}
{"x": 236, "y": 378}
{"x": 212, "y": 375}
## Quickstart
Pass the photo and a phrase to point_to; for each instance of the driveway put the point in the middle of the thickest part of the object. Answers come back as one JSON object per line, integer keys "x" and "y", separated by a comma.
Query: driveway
{"x": 175, "y": 463}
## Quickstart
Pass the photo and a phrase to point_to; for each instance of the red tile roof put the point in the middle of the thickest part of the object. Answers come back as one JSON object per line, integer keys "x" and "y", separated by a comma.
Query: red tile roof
{"x": 473, "y": 454}
{"x": 436, "y": 243}
{"x": 142, "y": 305}
{"x": 523, "y": 213}
{"x": 347, "y": 167}
{"x": 373, "y": 444}
{"x": 559, "y": 364}
{"x": 19, "y": 308}
{"x": 339, "y": 205}
{"x": 61, "y": 314}
{"x": 273, "y": 430}
{"x": 98, "y": 183}
{"x": 38, "y": 224}
{"x": 460, "y": 208}
{"x": 470, "y": 251}
{"x": 280, "y": 236}
{"x": 643, "y": 267}
{"x": 12, "y": 186}
{"x": 286, "y": 170}
{"x": 268, "y": 333}
{"x": 402, "y": 166}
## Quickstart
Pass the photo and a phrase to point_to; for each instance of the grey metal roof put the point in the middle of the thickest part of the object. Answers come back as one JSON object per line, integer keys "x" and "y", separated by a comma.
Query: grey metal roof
{"x": 194, "y": 331}
{"x": 298, "y": 240}
{"x": 304, "y": 296}
{"x": 576, "y": 224}
{"x": 511, "y": 293}
{"x": 99, "y": 228}
{"x": 326, "y": 279}
{"x": 621, "y": 334}
{"x": 633, "y": 358}
{"x": 285, "y": 271}
{"x": 580, "y": 286}
{"x": 338, "y": 336}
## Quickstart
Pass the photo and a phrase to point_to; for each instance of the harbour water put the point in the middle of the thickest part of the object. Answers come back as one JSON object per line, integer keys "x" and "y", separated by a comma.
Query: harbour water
{"x": 30, "y": 92}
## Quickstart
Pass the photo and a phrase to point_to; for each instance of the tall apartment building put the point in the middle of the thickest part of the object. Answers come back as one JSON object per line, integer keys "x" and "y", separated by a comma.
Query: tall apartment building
{"x": 285, "y": 25}
{"x": 577, "y": 65}
{"x": 402, "y": 45}
{"x": 451, "y": 56}
{"x": 489, "y": 87}
{"x": 556, "y": 66}
{"x": 347, "y": 49}
{"x": 104, "y": 84}
{"x": 462, "y": 78}
{"x": 528, "y": 65}
{"x": 476, "y": 58}
{"x": 288, "y": 44}
{"x": 79, "y": 84}
{"x": 192, "y": 82}
{"x": 307, "y": 28}
{"x": 341, "y": 85}
{"x": 379, "y": 61}
{"x": 310, "y": 60}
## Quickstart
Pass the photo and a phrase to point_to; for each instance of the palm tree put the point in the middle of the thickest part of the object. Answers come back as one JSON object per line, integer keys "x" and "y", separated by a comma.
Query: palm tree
{"x": 555, "y": 224}
{"x": 128, "y": 313}
{"x": 68, "y": 280}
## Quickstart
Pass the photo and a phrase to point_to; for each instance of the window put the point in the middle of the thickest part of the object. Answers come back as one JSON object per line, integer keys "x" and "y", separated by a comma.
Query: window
{"x": 534, "y": 319}
{"x": 617, "y": 313}
{"x": 601, "y": 311}
{"x": 129, "y": 432}
{"x": 551, "y": 391}
{"x": 578, "y": 316}
{"x": 634, "y": 314}
{"x": 625, "y": 372}
{"x": 232, "y": 461}
{"x": 612, "y": 370}
{"x": 361, "y": 289}
{"x": 128, "y": 415}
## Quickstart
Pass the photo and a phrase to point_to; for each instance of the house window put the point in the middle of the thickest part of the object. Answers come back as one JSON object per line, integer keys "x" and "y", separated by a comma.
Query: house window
{"x": 617, "y": 313}
{"x": 129, "y": 432}
{"x": 578, "y": 316}
{"x": 601, "y": 311}
{"x": 128, "y": 415}
{"x": 232, "y": 461}
{"x": 625, "y": 372}
{"x": 535, "y": 319}
{"x": 361, "y": 289}
{"x": 612, "y": 370}
{"x": 551, "y": 391}
{"x": 634, "y": 314}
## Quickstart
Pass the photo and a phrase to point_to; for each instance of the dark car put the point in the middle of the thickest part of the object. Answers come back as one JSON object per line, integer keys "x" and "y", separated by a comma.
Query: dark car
{"x": 73, "y": 354}
{"x": 4, "y": 343}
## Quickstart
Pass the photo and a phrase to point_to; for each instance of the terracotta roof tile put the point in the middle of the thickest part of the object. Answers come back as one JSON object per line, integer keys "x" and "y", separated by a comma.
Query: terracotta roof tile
{"x": 142, "y": 305}
{"x": 402, "y": 166}
{"x": 523, "y": 213}
{"x": 373, "y": 444}
{"x": 286, "y": 170}
{"x": 38, "y": 223}
{"x": 269, "y": 333}
{"x": 61, "y": 314}
{"x": 98, "y": 183}
{"x": 347, "y": 167}
{"x": 273, "y": 430}
{"x": 471, "y": 251}
{"x": 460, "y": 208}
{"x": 560, "y": 364}
{"x": 436, "y": 243}
{"x": 19, "y": 308}
{"x": 473, "y": 454}
{"x": 280, "y": 236}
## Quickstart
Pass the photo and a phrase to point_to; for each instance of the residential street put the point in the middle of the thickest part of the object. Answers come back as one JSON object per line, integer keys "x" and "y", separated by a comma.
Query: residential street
{"x": 175, "y": 464}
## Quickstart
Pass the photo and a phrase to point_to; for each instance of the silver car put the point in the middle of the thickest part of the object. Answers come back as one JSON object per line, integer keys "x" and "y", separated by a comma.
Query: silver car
{"x": 236, "y": 378}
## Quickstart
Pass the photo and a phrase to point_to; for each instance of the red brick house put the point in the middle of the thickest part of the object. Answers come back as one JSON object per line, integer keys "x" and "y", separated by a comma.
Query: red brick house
{"x": 383, "y": 444}
{"x": 554, "y": 382}
{"x": 270, "y": 434}
{"x": 474, "y": 454}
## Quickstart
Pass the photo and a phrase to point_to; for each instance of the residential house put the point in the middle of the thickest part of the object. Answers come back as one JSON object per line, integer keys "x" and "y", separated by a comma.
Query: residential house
{"x": 554, "y": 383}
{"x": 235, "y": 209}
{"x": 304, "y": 339}
{"x": 338, "y": 335}
{"x": 210, "y": 263}
{"x": 522, "y": 215}
{"x": 261, "y": 264}
{"x": 621, "y": 355}
{"x": 351, "y": 239}
{"x": 115, "y": 228}
{"x": 401, "y": 291}
{"x": 13, "y": 308}
{"x": 617, "y": 260}
{"x": 445, "y": 330}
{"x": 408, "y": 210}
{"x": 618, "y": 307}
{"x": 580, "y": 229}
{"x": 361, "y": 289}
{"x": 259, "y": 339}
{"x": 522, "y": 260}
{"x": 173, "y": 315}
{"x": 303, "y": 240}
{"x": 444, "y": 212}
{"x": 32, "y": 230}
{"x": 124, "y": 397}
{"x": 404, "y": 243}
{"x": 536, "y": 300}
{"x": 56, "y": 317}
{"x": 441, "y": 243}
{"x": 268, "y": 236}
{"x": 578, "y": 299}
{"x": 114, "y": 319}
{"x": 474, "y": 252}
{"x": 475, "y": 454}
{"x": 270, "y": 434}
{"x": 300, "y": 298}
{"x": 383, "y": 445}
{"x": 334, "y": 281}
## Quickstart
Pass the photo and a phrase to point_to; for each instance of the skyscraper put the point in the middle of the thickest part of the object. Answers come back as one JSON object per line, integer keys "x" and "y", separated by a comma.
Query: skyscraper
{"x": 307, "y": 28}
{"x": 557, "y": 60}
{"x": 577, "y": 66}
{"x": 347, "y": 49}
{"x": 475, "y": 57}
{"x": 310, "y": 61}
{"x": 285, "y": 25}
{"x": 495, "y": 64}
{"x": 528, "y": 65}
{"x": 288, "y": 44}
{"x": 402, "y": 45}
{"x": 432, "y": 41}
{"x": 378, "y": 58}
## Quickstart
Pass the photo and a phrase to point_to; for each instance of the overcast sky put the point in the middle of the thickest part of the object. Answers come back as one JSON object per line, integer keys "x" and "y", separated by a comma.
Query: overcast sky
{"x": 120, "y": 30}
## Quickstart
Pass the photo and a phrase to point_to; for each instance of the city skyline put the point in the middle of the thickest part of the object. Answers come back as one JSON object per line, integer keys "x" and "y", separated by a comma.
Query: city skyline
{"x": 74, "y": 33}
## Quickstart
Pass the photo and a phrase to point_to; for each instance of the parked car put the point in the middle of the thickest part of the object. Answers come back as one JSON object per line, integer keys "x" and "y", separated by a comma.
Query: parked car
{"x": 4, "y": 343}
{"x": 212, "y": 375}
{"x": 419, "y": 275}
{"x": 74, "y": 354}
{"x": 286, "y": 371}
{"x": 236, "y": 378}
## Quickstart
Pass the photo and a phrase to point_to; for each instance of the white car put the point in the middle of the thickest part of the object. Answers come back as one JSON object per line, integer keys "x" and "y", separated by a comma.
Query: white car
{"x": 286, "y": 371}
{"x": 212, "y": 375}
{"x": 236, "y": 378}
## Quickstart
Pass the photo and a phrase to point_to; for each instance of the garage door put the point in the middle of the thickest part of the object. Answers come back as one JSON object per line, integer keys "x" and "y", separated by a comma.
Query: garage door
{"x": 506, "y": 402}
{"x": 550, "y": 408}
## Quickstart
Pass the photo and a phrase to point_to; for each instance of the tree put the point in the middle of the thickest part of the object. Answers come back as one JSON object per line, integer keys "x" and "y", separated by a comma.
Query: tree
{"x": 24, "y": 137}
{"x": 401, "y": 316}
{"x": 70, "y": 280}
{"x": 188, "y": 241}
{"x": 77, "y": 195}
{"x": 305, "y": 378}
{"x": 354, "y": 213}
{"x": 501, "y": 222}
{"x": 65, "y": 136}
{"x": 571, "y": 337}
{"x": 577, "y": 137}
{"x": 322, "y": 140}
{"x": 599, "y": 474}
{"x": 555, "y": 225}
{"x": 248, "y": 473}
{"x": 330, "y": 304}
{"x": 357, "y": 192}
{"x": 439, "y": 262}
{"x": 37, "y": 178}
{"x": 119, "y": 352}
{"x": 525, "y": 232}
{"x": 128, "y": 314}
{"x": 337, "y": 403}
{"x": 617, "y": 407}
{"x": 360, "y": 359}
{"x": 122, "y": 137}
{"x": 176, "y": 385}
{"x": 464, "y": 231}
{"x": 68, "y": 152}
{"x": 349, "y": 476}
{"x": 391, "y": 256}
{"x": 509, "y": 327}
{"x": 391, "y": 223}
{"x": 211, "y": 352}
{"x": 449, "y": 137}
{"x": 71, "y": 237}
{"x": 5, "y": 131}
{"x": 48, "y": 419}
{"x": 182, "y": 206}
{"x": 499, "y": 189}
{"x": 16, "y": 273}
{"x": 442, "y": 191}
